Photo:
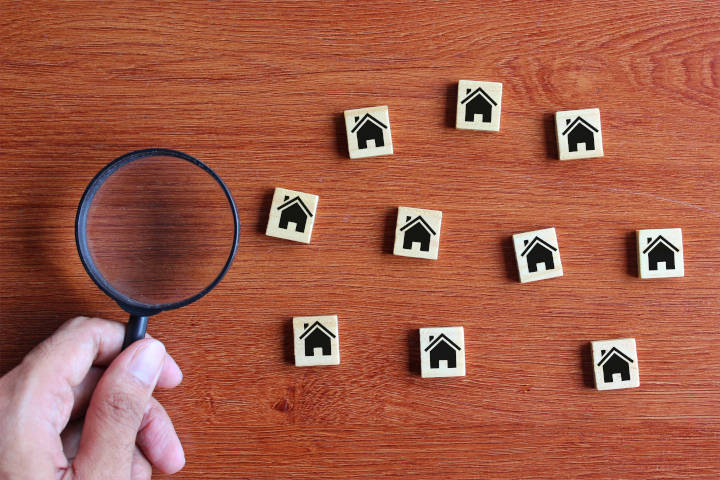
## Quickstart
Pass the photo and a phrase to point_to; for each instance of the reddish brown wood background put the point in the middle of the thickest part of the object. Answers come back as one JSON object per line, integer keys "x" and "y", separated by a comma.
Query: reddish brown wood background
{"x": 257, "y": 90}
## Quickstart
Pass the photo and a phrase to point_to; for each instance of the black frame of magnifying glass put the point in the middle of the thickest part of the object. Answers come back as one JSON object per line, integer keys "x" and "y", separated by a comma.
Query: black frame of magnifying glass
{"x": 135, "y": 308}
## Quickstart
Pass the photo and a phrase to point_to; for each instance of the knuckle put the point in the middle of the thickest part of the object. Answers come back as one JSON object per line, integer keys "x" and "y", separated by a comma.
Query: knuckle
{"x": 65, "y": 333}
{"x": 121, "y": 407}
{"x": 81, "y": 323}
{"x": 77, "y": 322}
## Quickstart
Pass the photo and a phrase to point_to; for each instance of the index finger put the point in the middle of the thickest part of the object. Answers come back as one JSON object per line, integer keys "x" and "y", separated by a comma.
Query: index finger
{"x": 56, "y": 366}
{"x": 75, "y": 347}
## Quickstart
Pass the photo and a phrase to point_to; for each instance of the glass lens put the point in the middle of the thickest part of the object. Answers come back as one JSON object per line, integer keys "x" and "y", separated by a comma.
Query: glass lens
{"x": 160, "y": 230}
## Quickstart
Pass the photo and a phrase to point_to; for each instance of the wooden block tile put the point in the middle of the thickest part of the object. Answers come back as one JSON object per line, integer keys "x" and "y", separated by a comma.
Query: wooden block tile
{"x": 660, "y": 253}
{"x": 417, "y": 233}
{"x": 292, "y": 215}
{"x": 479, "y": 105}
{"x": 317, "y": 340}
{"x": 368, "y": 132}
{"x": 579, "y": 134}
{"x": 442, "y": 352}
{"x": 538, "y": 255}
{"x": 615, "y": 363}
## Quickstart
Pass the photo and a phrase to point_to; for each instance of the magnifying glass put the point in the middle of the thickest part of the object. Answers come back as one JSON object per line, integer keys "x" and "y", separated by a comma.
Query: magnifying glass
{"x": 156, "y": 230}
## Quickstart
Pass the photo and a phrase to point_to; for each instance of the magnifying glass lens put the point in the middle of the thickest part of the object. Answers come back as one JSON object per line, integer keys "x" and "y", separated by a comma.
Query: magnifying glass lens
{"x": 159, "y": 230}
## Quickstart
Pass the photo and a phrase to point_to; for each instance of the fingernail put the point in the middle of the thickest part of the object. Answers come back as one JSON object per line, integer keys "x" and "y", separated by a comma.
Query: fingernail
{"x": 146, "y": 364}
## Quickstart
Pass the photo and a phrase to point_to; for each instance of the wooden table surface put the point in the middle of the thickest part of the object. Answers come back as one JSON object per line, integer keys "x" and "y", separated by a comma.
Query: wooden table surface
{"x": 257, "y": 91}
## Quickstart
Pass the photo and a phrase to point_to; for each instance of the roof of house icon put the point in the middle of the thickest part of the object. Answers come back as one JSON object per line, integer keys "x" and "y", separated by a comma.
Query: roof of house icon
{"x": 443, "y": 338}
{"x": 575, "y": 122}
{"x": 415, "y": 220}
{"x": 369, "y": 118}
{"x": 297, "y": 200}
{"x": 660, "y": 239}
{"x": 477, "y": 91}
{"x": 612, "y": 352}
{"x": 533, "y": 242}
{"x": 315, "y": 326}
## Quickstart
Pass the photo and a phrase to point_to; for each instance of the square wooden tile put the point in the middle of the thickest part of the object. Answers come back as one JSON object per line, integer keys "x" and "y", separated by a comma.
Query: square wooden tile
{"x": 615, "y": 363}
{"x": 538, "y": 255}
{"x": 417, "y": 233}
{"x": 660, "y": 253}
{"x": 579, "y": 134}
{"x": 317, "y": 340}
{"x": 442, "y": 352}
{"x": 479, "y": 105}
{"x": 368, "y": 132}
{"x": 292, "y": 215}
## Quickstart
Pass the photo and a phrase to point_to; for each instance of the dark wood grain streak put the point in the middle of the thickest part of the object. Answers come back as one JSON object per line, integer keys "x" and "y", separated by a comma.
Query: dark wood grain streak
{"x": 256, "y": 90}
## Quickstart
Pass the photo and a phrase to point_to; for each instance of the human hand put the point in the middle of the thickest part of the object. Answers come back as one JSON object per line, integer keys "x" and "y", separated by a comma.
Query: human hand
{"x": 78, "y": 408}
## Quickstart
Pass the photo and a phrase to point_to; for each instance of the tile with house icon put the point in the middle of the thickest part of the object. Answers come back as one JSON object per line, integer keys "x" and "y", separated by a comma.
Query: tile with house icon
{"x": 442, "y": 352}
{"x": 579, "y": 134}
{"x": 660, "y": 253}
{"x": 615, "y": 364}
{"x": 538, "y": 255}
{"x": 417, "y": 233}
{"x": 316, "y": 340}
{"x": 368, "y": 132}
{"x": 478, "y": 105}
{"x": 292, "y": 215}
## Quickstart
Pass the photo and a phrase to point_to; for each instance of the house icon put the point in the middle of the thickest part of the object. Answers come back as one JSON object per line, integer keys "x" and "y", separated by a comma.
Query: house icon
{"x": 316, "y": 336}
{"x": 660, "y": 251}
{"x": 580, "y": 131}
{"x": 294, "y": 211}
{"x": 369, "y": 128}
{"x": 538, "y": 251}
{"x": 478, "y": 102}
{"x": 615, "y": 362}
{"x": 442, "y": 348}
{"x": 417, "y": 230}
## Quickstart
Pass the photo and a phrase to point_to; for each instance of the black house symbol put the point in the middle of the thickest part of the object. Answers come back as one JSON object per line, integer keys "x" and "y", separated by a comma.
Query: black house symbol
{"x": 417, "y": 230}
{"x": 478, "y": 102}
{"x": 660, "y": 250}
{"x": 294, "y": 211}
{"x": 316, "y": 336}
{"x": 369, "y": 128}
{"x": 580, "y": 131}
{"x": 614, "y": 362}
{"x": 442, "y": 348}
{"x": 538, "y": 251}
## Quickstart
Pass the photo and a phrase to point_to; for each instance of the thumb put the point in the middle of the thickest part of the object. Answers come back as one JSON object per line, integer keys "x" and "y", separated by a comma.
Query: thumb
{"x": 116, "y": 410}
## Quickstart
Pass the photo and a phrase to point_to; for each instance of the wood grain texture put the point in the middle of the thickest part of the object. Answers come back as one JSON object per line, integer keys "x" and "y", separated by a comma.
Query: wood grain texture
{"x": 257, "y": 90}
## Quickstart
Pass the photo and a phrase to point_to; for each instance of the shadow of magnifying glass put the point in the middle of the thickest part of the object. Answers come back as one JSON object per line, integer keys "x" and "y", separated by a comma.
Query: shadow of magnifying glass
{"x": 156, "y": 230}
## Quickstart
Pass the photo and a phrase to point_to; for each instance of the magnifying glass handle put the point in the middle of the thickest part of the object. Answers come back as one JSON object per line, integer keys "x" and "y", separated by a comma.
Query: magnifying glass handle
{"x": 135, "y": 329}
